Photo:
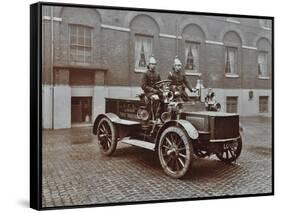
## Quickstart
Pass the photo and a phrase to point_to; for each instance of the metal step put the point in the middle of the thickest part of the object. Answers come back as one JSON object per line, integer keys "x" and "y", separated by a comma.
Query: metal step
{"x": 139, "y": 143}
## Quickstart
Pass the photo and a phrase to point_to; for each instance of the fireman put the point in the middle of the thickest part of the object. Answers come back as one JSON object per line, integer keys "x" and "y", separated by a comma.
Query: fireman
{"x": 179, "y": 81}
{"x": 149, "y": 78}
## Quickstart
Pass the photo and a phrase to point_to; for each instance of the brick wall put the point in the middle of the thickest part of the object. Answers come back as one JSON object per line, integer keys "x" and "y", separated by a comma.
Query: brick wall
{"x": 114, "y": 48}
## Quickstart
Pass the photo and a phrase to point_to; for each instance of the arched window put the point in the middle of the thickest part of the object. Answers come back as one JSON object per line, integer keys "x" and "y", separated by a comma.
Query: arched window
{"x": 232, "y": 53}
{"x": 194, "y": 38}
{"x": 144, "y": 34}
{"x": 264, "y": 57}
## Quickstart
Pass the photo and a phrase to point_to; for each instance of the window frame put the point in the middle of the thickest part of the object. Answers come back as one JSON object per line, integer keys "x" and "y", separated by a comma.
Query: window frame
{"x": 267, "y": 64}
{"x": 74, "y": 58}
{"x": 233, "y": 74}
{"x": 262, "y": 104}
{"x": 198, "y": 44}
{"x": 140, "y": 35}
{"x": 227, "y": 103}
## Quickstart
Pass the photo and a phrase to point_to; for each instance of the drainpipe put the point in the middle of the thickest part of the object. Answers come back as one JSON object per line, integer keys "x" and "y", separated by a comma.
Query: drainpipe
{"x": 177, "y": 42}
{"x": 52, "y": 64}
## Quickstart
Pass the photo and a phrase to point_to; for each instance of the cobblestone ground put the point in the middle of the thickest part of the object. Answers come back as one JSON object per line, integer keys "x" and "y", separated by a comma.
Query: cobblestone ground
{"x": 75, "y": 173}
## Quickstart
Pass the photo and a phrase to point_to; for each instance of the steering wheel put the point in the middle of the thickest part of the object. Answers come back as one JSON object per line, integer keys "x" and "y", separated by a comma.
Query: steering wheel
{"x": 161, "y": 84}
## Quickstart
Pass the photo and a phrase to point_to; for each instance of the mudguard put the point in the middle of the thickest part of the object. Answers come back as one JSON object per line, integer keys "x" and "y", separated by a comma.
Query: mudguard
{"x": 185, "y": 125}
{"x": 114, "y": 119}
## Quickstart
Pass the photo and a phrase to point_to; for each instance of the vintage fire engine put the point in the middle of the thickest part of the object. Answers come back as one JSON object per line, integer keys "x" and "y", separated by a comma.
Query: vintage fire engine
{"x": 176, "y": 132}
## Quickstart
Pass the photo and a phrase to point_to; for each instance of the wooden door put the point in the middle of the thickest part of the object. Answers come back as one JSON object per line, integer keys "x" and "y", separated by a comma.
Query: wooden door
{"x": 81, "y": 109}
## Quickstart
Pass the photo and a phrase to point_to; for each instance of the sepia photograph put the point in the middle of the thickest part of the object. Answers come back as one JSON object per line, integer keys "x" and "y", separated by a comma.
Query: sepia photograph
{"x": 145, "y": 105}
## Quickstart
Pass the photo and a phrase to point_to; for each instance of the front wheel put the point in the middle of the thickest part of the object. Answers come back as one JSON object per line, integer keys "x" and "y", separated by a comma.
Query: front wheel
{"x": 175, "y": 152}
{"x": 106, "y": 134}
{"x": 230, "y": 151}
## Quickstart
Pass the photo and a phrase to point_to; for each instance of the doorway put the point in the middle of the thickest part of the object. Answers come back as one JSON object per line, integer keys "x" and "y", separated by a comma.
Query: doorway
{"x": 81, "y": 109}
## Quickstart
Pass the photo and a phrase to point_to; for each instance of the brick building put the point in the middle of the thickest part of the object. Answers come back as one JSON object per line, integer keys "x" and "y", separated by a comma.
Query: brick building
{"x": 89, "y": 54}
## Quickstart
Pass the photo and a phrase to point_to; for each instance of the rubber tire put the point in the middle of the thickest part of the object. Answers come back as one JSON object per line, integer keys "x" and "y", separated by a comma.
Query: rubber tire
{"x": 112, "y": 148}
{"x": 189, "y": 152}
{"x": 232, "y": 159}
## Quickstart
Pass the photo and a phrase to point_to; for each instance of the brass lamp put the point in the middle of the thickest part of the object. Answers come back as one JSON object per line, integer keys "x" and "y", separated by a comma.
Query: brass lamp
{"x": 199, "y": 86}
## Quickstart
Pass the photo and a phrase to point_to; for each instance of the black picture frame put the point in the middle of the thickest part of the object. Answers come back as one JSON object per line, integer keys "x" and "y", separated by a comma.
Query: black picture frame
{"x": 36, "y": 117}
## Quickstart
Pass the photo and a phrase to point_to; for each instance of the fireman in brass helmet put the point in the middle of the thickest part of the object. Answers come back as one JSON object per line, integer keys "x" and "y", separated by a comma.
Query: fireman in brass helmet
{"x": 149, "y": 78}
{"x": 179, "y": 81}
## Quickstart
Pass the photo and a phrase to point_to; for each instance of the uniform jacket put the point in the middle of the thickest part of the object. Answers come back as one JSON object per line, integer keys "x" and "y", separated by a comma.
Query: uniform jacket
{"x": 148, "y": 79}
{"x": 179, "y": 79}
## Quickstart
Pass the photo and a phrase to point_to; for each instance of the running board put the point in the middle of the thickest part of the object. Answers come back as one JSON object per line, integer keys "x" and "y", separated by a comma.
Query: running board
{"x": 139, "y": 143}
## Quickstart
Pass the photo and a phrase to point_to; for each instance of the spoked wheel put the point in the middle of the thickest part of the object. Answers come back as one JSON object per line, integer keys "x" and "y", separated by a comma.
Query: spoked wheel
{"x": 175, "y": 152}
{"x": 230, "y": 151}
{"x": 106, "y": 136}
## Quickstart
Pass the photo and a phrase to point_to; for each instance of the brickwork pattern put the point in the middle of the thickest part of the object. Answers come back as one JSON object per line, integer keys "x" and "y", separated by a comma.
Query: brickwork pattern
{"x": 114, "y": 49}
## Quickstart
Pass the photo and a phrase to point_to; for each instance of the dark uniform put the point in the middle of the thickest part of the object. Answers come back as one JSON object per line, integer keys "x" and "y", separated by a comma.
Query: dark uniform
{"x": 148, "y": 79}
{"x": 179, "y": 80}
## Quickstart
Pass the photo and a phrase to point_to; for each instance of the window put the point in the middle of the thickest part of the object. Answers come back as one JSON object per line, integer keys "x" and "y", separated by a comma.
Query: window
{"x": 192, "y": 56}
{"x": 231, "y": 104}
{"x": 143, "y": 49}
{"x": 80, "y": 44}
{"x": 231, "y": 60}
{"x": 265, "y": 24}
{"x": 263, "y": 104}
{"x": 262, "y": 64}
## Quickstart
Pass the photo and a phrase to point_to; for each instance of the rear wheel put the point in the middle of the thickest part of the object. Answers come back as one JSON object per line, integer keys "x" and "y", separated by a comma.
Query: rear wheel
{"x": 175, "y": 152}
{"x": 106, "y": 134}
{"x": 230, "y": 151}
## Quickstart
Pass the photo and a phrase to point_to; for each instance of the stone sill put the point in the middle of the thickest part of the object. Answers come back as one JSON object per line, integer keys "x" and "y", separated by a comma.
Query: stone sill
{"x": 231, "y": 76}
{"x": 193, "y": 73}
{"x": 232, "y": 21}
{"x": 263, "y": 77}
{"x": 266, "y": 28}
{"x": 266, "y": 114}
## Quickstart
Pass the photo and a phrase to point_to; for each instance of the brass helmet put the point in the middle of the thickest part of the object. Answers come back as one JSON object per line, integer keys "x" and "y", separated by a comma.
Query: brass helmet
{"x": 152, "y": 60}
{"x": 177, "y": 61}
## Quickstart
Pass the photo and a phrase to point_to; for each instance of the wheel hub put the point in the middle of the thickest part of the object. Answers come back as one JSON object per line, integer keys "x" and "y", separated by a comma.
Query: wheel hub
{"x": 173, "y": 151}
